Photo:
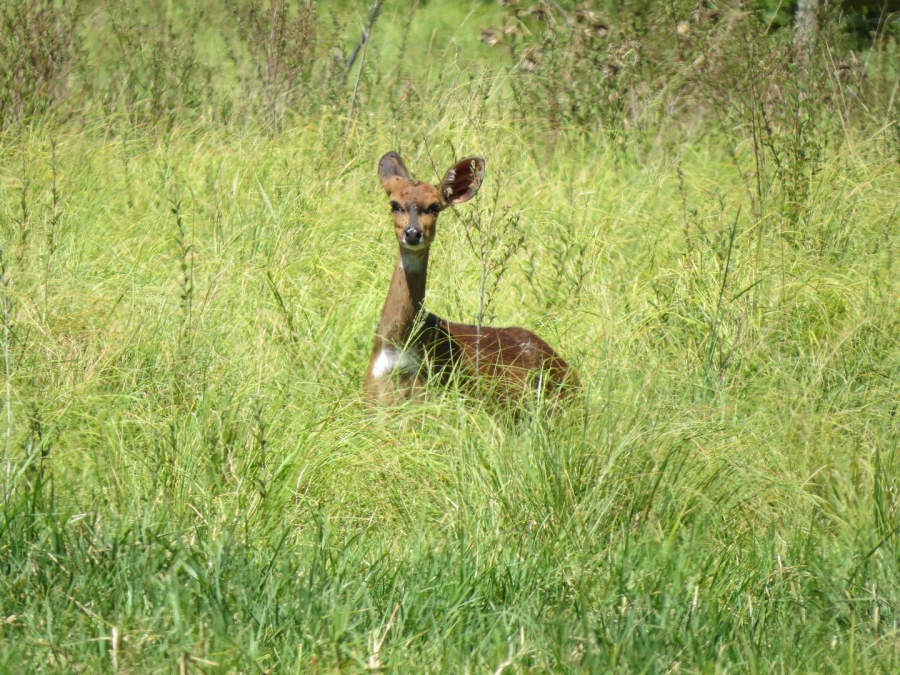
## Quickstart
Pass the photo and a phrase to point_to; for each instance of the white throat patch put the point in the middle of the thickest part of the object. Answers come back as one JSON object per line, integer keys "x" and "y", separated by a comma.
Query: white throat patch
{"x": 411, "y": 263}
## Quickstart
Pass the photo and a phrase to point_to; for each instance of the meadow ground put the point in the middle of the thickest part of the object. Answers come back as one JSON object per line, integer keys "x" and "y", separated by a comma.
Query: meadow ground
{"x": 191, "y": 482}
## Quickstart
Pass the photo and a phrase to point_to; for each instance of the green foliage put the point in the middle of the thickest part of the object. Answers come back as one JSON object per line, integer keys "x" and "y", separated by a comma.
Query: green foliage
{"x": 193, "y": 255}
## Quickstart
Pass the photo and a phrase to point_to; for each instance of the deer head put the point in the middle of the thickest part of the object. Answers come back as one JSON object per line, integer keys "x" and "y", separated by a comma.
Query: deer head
{"x": 415, "y": 205}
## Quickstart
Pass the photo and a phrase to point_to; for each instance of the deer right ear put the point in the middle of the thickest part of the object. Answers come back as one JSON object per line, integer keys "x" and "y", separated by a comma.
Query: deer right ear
{"x": 389, "y": 167}
{"x": 462, "y": 180}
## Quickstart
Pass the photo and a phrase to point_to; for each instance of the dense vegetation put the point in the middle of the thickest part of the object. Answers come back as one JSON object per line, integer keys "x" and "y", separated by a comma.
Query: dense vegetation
{"x": 694, "y": 202}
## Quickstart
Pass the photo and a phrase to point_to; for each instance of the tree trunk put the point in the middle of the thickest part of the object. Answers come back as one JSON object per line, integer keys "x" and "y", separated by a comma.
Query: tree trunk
{"x": 806, "y": 18}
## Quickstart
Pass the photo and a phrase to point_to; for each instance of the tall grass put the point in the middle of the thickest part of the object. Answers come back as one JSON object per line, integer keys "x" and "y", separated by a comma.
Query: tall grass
{"x": 194, "y": 256}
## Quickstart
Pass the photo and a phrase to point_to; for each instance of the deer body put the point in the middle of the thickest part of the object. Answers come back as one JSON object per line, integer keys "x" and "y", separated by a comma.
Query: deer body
{"x": 410, "y": 344}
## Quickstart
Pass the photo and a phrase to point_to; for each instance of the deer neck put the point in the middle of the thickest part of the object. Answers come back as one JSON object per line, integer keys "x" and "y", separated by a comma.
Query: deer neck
{"x": 405, "y": 297}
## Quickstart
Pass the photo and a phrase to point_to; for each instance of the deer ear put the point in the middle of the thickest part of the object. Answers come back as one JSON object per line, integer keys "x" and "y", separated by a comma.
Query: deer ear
{"x": 462, "y": 181}
{"x": 389, "y": 167}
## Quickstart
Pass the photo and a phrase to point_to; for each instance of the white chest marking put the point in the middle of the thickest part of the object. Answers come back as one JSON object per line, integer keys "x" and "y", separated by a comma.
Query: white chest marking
{"x": 390, "y": 360}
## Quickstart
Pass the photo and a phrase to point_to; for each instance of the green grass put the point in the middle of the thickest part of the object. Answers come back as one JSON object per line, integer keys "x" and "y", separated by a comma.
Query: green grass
{"x": 191, "y": 479}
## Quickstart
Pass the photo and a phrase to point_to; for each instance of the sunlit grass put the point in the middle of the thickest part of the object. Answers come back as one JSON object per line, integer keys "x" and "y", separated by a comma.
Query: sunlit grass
{"x": 191, "y": 479}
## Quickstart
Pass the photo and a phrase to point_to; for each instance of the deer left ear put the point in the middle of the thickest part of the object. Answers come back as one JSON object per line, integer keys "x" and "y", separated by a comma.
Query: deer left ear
{"x": 462, "y": 180}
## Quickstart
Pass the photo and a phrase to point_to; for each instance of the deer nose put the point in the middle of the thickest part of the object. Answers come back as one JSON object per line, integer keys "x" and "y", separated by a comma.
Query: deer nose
{"x": 412, "y": 235}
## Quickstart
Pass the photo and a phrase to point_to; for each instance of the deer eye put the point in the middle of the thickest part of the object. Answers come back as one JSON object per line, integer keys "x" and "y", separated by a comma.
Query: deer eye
{"x": 434, "y": 209}
{"x": 395, "y": 207}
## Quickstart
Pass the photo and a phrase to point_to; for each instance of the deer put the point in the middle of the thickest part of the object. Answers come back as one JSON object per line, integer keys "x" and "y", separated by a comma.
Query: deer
{"x": 411, "y": 345}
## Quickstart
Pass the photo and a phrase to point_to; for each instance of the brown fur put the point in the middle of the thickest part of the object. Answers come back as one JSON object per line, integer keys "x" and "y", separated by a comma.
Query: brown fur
{"x": 511, "y": 361}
